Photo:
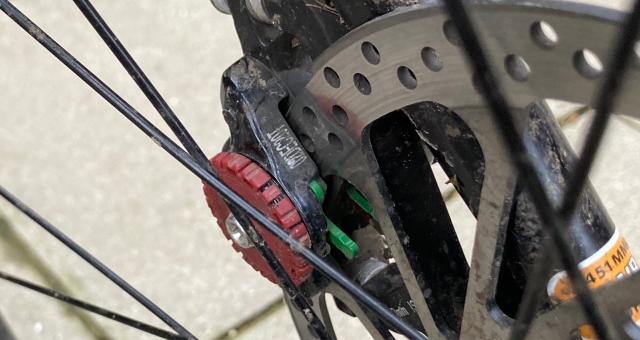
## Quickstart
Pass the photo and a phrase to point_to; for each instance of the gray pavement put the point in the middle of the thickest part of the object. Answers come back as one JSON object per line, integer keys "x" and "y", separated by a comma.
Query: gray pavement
{"x": 76, "y": 160}
{"x": 71, "y": 156}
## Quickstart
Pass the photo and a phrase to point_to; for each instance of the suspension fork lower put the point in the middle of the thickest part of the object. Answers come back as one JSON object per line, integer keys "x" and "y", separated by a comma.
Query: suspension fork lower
{"x": 603, "y": 253}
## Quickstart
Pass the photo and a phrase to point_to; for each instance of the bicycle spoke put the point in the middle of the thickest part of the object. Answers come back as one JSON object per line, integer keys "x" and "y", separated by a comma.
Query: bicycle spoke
{"x": 301, "y": 319}
{"x": 298, "y": 299}
{"x": 94, "y": 262}
{"x": 493, "y": 95}
{"x": 535, "y": 287}
{"x": 142, "y": 81}
{"x": 604, "y": 105}
{"x": 618, "y": 294}
{"x": 376, "y": 329}
{"x": 179, "y": 154}
{"x": 90, "y": 307}
{"x": 169, "y": 116}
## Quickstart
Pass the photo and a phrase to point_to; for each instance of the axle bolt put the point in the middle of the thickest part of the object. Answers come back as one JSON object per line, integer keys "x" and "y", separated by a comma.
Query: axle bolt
{"x": 238, "y": 235}
{"x": 221, "y": 5}
{"x": 259, "y": 11}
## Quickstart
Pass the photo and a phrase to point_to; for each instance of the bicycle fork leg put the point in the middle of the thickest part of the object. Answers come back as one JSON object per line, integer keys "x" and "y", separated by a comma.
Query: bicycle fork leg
{"x": 603, "y": 253}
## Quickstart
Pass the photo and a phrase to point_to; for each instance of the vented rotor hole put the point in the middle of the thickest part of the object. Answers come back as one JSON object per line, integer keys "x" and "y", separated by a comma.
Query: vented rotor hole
{"x": 407, "y": 77}
{"x": 362, "y": 84}
{"x": 431, "y": 59}
{"x": 307, "y": 143}
{"x": 587, "y": 64}
{"x": 332, "y": 77}
{"x": 370, "y": 53}
{"x": 309, "y": 114}
{"x": 475, "y": 82}
{"x": 517, "y": 67}
{"x": 451, "y": 33}
{"x": 335, "y": 141}
{"x": 341, "y": 115}
{"x": 543, "y": 34}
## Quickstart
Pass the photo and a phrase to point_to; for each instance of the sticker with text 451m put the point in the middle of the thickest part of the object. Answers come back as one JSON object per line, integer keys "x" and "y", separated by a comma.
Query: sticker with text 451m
{"x": 612, "y": 262}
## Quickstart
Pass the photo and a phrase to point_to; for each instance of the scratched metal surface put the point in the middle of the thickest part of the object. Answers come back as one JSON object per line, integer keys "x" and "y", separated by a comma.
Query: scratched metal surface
{"x": 613, "y": 177}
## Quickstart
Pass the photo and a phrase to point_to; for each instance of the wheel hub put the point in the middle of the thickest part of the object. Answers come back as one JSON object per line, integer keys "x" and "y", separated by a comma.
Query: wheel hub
{"x": 256, "y": 186}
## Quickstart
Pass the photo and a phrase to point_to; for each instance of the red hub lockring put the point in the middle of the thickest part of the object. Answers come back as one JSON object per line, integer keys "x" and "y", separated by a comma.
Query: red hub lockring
{"x": 260, "y": 190}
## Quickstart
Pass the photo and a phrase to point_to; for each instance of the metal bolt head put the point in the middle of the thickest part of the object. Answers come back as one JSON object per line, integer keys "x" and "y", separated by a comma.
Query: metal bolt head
{"x": 221, "y": 5}
{"x": 237, "y": 234}
{"x": 259, "y": 11}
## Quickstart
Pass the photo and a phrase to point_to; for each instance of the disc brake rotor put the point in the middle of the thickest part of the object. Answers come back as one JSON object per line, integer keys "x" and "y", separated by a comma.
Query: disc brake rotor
{"x": 555, "y": 49}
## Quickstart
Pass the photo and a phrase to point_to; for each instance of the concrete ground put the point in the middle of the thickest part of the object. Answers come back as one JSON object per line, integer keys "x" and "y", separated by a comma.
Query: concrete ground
{"x": 73, "y": 158}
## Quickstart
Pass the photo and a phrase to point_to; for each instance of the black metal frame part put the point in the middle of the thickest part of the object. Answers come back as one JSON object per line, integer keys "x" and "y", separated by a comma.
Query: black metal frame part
{"x": 253, "y": 97}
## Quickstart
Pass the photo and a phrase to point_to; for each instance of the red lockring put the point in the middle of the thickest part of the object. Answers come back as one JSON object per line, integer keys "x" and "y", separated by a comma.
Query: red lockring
{"x": 259, "y": 189}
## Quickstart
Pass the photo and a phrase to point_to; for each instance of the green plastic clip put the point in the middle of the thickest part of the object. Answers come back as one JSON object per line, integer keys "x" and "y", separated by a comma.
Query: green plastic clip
{"x": 318, "y": 187}
{"x": 337, "y": 237}
{"x": 357, "y": 197}
{"x": 342, "y": 241}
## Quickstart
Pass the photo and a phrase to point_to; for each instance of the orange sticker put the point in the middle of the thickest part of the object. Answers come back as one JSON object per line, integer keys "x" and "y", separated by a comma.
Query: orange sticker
{"x": 612, "y": 262}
